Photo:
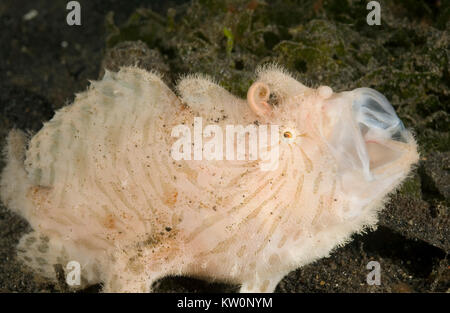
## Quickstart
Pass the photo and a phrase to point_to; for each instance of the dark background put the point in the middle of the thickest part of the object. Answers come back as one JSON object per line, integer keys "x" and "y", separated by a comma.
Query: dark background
{"x": 44, "y": 62}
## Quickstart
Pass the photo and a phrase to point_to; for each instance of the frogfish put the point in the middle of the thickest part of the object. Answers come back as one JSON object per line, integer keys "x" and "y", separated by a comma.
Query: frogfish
{"x": 99, "y": 183}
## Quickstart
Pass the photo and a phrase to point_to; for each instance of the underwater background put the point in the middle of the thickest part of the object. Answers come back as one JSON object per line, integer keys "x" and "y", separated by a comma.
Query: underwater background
{"x": 44, "y": 62}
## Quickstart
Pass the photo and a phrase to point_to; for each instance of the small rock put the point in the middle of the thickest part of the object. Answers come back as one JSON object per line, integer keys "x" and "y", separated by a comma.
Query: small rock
{"x": 30, "y": 15}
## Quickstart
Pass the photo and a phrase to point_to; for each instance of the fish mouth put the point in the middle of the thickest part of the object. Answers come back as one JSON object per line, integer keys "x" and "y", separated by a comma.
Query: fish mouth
{"x": 372, "y": 149}
{"x": 367, "y": 135}
{"x": 383, "y": 135}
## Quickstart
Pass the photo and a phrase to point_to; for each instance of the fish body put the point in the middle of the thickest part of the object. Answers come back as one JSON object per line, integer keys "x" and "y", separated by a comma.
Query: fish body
{"x": 99, "y": 183}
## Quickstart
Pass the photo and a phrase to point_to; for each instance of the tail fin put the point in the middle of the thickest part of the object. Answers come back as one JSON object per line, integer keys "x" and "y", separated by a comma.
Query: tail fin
{"x": 14, "y": 183}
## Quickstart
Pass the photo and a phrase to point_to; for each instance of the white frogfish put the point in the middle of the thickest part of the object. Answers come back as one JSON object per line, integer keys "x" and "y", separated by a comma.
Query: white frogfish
{"x": 126, "y": 182}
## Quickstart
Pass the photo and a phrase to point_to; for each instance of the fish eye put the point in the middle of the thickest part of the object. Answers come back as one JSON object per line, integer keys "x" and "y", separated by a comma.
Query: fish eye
{"x": 287, "y": 135}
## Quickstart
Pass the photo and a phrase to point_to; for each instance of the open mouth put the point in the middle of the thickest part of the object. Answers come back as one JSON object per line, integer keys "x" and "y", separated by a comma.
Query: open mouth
{"x": 367, "y": 136}
{"x": 372, "y": 149}
{"x": 385, "y": 138}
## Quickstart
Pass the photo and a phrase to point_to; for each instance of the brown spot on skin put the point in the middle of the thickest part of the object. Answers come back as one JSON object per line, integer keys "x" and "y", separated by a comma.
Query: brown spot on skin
{"x": 109, "y": 221}
{"x": 38, "y": 195}
{"x": 171, "y": 199}
{"x": 151, "y": 241}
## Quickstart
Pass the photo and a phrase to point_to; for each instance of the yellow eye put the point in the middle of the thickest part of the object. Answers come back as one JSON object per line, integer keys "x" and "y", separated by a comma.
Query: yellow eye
{"x": 287, "y": 135}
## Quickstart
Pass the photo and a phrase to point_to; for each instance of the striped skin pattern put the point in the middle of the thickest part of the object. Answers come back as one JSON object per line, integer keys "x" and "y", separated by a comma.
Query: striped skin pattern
{"x": 98, "y": 185}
